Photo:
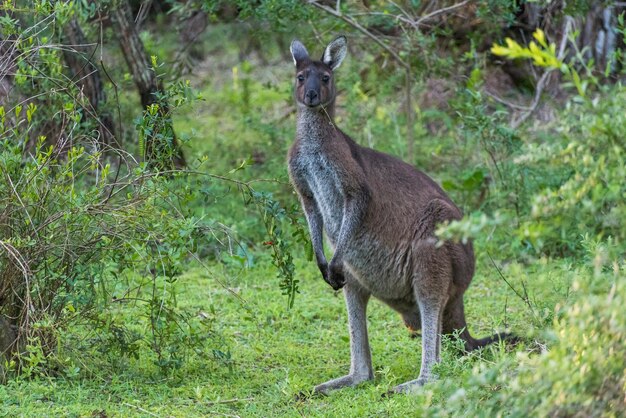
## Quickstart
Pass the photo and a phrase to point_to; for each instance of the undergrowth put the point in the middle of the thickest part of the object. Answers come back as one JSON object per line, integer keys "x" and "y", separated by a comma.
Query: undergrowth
{"x": 189, "y": 293}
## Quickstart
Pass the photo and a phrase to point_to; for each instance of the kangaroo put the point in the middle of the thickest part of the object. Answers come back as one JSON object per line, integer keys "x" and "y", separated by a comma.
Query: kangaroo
{"x": 379, "y": 215}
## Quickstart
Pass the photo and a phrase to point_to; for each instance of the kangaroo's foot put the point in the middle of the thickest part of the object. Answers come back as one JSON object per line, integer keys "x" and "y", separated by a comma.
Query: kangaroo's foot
{"x": 412, "y": 386}
{"x": 341, "y": 382}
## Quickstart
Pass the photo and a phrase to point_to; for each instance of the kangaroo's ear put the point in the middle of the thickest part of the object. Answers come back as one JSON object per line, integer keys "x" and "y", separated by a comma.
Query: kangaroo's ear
{"x": 335, "y": 52}
{"x": 298, "y": 52}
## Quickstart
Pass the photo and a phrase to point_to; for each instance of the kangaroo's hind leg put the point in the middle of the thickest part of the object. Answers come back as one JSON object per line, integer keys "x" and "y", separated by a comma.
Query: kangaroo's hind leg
{"x": 431, "y": 285}
{"x": 360, "y": 357}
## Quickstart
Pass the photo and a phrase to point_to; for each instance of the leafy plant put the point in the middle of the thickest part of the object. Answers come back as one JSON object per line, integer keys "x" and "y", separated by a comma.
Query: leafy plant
{"x": 580, "y": 373}
{"x": 542, "y": 55}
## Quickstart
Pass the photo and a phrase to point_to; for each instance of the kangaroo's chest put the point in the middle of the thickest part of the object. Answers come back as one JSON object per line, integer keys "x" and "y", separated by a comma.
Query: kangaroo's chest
{"x": 322, "y": 178}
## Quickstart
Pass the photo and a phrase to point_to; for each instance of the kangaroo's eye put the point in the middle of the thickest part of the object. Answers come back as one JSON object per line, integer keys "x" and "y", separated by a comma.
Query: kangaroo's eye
{"x": 325, "y": 78}
{"x": 300, "y": 77}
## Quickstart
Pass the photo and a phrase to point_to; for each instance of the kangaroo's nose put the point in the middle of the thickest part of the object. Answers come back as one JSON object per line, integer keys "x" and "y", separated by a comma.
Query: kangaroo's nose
{"x": 311, "y": 98}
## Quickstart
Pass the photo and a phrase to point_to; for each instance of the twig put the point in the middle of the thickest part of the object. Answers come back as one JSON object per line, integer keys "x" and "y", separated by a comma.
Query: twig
{"x": 407, "y": 18}
{"x": 404, "y": 12}
{"x": 19, "y": 199}
{"x": 245, "y": 303}
{"x": 524, "y": 296}
{"x": 506, "y": 102}
{"x": 23, "y": 266}
{"x": 506, "y": 303}
{"x": 226, "y": 401}
{"x": 440, "y": 11}
{"x": 361, "y": 29}
{"x": 140, "y": 409}
{"x": 515, "y": 123}
{"x": 144, "y": 9}
{"x": 381, "y": 14}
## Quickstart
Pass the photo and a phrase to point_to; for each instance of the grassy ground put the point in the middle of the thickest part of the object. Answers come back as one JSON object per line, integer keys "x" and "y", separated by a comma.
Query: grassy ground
{"x": 273, "y": 353}
{"x": 277, "y": 353}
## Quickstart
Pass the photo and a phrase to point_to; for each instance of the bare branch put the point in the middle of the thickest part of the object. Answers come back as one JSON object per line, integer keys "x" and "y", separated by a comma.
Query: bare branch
{"x": 381, "y": 14}
{"x": 349, "y": 20}
{"x": 429, "y": 16}
{"x": 144, "y": 9}
{"x": 505, "y": 102}
{"x": 408, "y": 19}
{"x": 404, "y": 12}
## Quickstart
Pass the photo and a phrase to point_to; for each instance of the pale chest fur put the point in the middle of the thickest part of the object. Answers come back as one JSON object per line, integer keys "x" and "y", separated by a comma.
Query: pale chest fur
{"x": 319, "y": 176}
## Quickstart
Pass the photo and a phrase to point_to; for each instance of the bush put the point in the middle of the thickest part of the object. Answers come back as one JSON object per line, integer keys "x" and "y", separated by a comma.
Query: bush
{"x": 87, "y": 232}
{"x": 80, "y": 240}
{"x": 558, "y": 190}
{"x": 586, "y": 164}
{"x": 580, "y": 373}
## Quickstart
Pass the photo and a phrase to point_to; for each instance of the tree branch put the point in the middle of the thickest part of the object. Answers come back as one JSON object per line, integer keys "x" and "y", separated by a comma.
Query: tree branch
{"x": 349, "y": 20}
{"x": 422, "y": 19}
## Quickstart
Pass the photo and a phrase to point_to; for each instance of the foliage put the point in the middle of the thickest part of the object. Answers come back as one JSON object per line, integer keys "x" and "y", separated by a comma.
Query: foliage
{"x": 581, "y": 374}
{"x": 90, "y": 233}
{"x": 559, "y": 187}
{"x": 126, "y": 272}
{"x": 543, "y": 55}
{"x": 85, "y": 228}
{"x": 75, "y": 235}
{"x": 589, "y": 158}
{"x": 565, "y": 188}
{"x": 273, "y": 215}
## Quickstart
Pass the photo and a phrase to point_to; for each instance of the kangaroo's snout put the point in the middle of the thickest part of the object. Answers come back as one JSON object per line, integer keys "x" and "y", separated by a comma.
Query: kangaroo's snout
{"x": 311, "y": 98}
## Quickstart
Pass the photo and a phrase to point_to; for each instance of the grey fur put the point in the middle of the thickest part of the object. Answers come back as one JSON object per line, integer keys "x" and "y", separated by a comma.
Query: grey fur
{"x": 379, "y": 215}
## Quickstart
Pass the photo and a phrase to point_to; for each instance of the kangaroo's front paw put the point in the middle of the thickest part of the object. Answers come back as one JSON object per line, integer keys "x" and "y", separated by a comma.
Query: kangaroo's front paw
{"x": 341, "y": 382}
{"x": 336, "y": 278}
{"x": 323, "y": 266}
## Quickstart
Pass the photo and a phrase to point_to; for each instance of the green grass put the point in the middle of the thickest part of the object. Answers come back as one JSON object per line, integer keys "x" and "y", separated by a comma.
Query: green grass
{"x": 269, "y": 354}
{"x": 277, "y": 353}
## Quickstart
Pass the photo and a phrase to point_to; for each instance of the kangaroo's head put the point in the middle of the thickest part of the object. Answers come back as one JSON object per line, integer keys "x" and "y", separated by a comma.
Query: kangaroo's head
{"x": 314, "y": 85}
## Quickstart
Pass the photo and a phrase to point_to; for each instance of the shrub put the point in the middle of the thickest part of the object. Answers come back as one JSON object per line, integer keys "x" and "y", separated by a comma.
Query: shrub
{"x": 81, "y": 239}
{"x": 580, "y": 373}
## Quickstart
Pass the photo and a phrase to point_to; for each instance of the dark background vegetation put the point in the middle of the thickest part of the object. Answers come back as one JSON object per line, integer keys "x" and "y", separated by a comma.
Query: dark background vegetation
{"x": 148, "y": 228}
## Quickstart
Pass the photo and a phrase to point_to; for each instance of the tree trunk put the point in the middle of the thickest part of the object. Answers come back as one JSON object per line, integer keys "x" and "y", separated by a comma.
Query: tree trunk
{"x": 159, "y": 154}
{"x": 8, "y": 338}
{"x": 599, "y": 38}
{"x": 88, "y": 79}
{"x": 8, "y": 65}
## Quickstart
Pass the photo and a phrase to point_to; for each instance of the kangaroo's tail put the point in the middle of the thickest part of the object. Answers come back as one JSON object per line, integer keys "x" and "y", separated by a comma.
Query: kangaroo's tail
{"x": 472, "y": 343}
{"x": 454, "y": 324}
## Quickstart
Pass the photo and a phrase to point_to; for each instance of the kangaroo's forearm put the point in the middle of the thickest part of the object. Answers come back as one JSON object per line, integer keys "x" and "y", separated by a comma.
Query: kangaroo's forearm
{"x": 316, "y": 224}
{"x": 354, "y": 211}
